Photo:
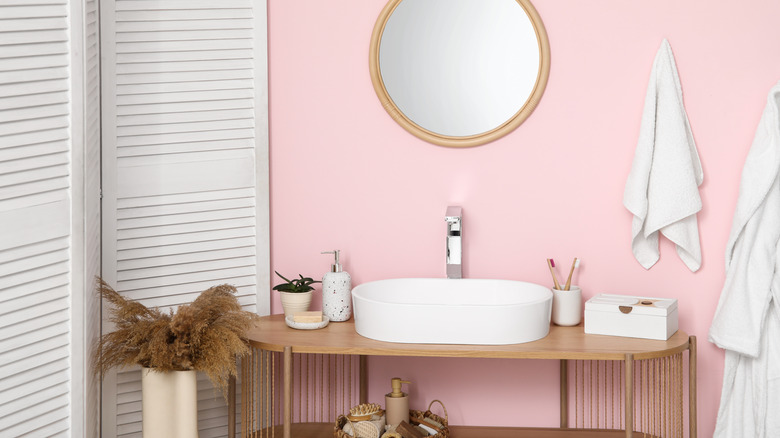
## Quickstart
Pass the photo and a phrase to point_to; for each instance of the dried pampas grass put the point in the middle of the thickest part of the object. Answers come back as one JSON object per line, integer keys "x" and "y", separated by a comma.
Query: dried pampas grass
{"x": 206, "y": 335}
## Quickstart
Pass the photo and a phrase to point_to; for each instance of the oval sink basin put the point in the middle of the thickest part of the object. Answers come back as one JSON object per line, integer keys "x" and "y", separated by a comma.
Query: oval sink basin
{"x": 449, "y": 311}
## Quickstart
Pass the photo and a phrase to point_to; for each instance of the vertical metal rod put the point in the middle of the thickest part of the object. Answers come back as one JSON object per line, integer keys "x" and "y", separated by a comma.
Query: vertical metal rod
{"x": 629, "y": 397}
{"x": 349, "y": 379}
{"x": 564, "y": 393}
{"x": 273, "y": 395}
{"x": 363, "y": 379}
{"x": 692, "y": 386}
{"x": 576, "y": 395}
{"x": 288, "y": 398}
{"x": 306, "y": 391}
{"x": 232, "y": 407}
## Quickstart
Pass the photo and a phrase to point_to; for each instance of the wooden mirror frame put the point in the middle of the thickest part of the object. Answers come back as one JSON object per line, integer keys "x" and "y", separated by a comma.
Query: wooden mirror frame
{"x": 460, "y": 141}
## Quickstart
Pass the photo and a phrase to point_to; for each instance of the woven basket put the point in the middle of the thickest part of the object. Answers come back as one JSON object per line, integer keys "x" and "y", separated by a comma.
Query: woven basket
{"x": 415, "y": 417}
{"x": 364, "y": 429}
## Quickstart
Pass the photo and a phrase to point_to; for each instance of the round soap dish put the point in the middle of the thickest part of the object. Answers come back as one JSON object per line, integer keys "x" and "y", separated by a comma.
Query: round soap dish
{"x": 306, "y": 325}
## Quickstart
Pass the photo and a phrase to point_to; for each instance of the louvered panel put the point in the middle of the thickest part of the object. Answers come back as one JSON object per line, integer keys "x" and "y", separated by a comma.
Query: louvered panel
{"x": 57, "y": 321}
{"x": 182, "y": 259}
{"x": 190, "y": 14}
{"x": 186, "y": 248}
{"x": 171, "y": 270}
{"x": 229, "y": 202}
{"x": 194, "y": 74}
{"x": 44, "y": 264}
{"x": 58, "y": 353}
{"x": 183, "y": 218}
{"x": 36, "y": 37}
{"x": 34, "y": 113}
{"x": 159, "y": 26}
{"x": 33, "y": 138}
{"x": 16, "y": 101}
{"x": 39, "y": 423}
{"x": 197, "y": 69}
{"x": 38, "y": 74}
{"x": 34, "y": 379}
{"x": 184, "y": 46}
{"x": 167, "y": 302}
{"x": 18, "y": 184}
{"x": 200, "y": 116}
{"x": 47, "y": 9}
{"x": 170, "y": 199}
{"x": 45, "y": 163}
{"x": 178, "y": 87}
{"x": 180, "y": 128}
{"x": 184, "y": 136}
{"x": 201, "y": 55}
{"x": 33, "y": 24}
{"x": 51, "y": 309}
{"x": 176, "y": 108}
{"x": 35, "y": 256}
{"x": 202, "y": 237}
{"x": 23, "y": 56}
{"x": 179, "y": 284}
{"x": 34, "y": 188}
{"x": 23, "y": 405}
{"x": 57, "y": 59}
{"x": 149, "y": 5}
{"x": 181, "y": 35}
{"x": 175, "y": 148}
{"x": 184, "y": 96}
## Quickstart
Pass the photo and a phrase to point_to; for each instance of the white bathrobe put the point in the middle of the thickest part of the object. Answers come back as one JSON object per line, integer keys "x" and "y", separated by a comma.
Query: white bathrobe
{"x": 747, "y": 320}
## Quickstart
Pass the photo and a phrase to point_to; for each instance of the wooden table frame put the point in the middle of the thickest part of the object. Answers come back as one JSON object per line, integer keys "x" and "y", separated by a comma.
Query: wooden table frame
{"x": 562, "y": 343}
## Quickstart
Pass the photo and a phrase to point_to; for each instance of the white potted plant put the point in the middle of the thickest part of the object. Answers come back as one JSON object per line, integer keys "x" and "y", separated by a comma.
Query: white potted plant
{"x": 296, "y": 293}
{"x": 206, "y": 335}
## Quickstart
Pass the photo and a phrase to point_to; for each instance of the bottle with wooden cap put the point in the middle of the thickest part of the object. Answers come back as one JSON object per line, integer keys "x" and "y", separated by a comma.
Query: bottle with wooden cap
{"x": 397, "y": 403}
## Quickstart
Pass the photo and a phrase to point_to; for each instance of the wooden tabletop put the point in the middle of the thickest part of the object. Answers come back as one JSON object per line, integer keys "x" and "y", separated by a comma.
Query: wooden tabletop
{"x": 271, "y": 333}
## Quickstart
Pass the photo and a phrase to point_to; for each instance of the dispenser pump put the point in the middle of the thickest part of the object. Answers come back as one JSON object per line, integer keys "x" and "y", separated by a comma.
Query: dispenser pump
{"x": 336, "y": 266}
{"x": 397, "y": 403}
{"x": 395, "y": 384}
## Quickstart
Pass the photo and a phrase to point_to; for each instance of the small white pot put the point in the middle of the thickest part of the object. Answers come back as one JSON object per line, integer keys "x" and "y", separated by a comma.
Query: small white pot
{"x": 169, "y": 407}
{"x": 567, "y": 306}
{"x": 293, "y": 302}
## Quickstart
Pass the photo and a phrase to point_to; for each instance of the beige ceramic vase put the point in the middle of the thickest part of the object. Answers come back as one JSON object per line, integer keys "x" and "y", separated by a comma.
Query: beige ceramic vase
{"x": 169, "y": 404}
{"x": 293, "y": 302}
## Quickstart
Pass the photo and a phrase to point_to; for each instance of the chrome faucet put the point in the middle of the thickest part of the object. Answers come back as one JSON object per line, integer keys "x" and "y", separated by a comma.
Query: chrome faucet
{"x": 454, "y": 218}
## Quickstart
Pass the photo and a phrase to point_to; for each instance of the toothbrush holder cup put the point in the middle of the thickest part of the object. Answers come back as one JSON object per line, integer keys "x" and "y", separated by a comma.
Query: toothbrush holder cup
{"x": 567, "y": 306}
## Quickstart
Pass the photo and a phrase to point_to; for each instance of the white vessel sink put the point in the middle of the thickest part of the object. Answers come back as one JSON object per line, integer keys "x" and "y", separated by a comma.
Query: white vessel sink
{"x": 447, "y": 311}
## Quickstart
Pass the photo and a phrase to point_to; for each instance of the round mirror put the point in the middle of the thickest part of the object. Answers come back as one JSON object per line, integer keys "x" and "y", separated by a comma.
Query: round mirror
{"x": 459, "y": 72}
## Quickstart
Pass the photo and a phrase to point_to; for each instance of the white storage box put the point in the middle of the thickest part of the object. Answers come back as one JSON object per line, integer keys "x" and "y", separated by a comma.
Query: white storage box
{"x": 632, "y": 317}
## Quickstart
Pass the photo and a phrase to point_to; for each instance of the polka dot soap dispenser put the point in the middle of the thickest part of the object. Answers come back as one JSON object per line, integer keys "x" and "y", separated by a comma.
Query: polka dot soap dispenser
{"x": 336, "y": 291}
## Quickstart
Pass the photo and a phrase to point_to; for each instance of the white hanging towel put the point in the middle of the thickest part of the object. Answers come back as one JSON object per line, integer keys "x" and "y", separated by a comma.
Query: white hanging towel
{"x": 747, "y": 319}
{"x": 662, "y": 190}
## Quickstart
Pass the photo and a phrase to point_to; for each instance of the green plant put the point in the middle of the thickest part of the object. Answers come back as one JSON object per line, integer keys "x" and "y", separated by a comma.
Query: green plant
{"x": 206, "y": 335}
{"x": 296, "y": 285}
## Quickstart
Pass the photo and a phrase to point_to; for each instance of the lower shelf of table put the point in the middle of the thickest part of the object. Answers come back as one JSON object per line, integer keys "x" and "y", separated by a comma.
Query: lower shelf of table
{"x": 320, "y": 430}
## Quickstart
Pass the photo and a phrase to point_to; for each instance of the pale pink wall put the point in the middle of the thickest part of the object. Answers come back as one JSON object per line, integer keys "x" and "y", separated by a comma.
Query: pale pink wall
{"x": 344, "y": 175}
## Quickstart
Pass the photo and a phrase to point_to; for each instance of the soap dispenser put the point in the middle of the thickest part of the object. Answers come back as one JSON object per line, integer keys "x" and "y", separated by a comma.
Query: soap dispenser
{"x": 396, "y": 403}
{"x": 336, "y": 291}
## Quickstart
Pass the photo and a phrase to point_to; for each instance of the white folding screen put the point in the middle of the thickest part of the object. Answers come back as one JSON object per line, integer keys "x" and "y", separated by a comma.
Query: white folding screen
{"x": 184, "y": 167}
{"x": 85, "y": 303}
{"x": 49, "y": 214}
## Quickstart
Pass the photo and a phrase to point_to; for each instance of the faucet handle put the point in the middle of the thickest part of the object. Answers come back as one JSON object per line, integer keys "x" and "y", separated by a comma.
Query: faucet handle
{"x": 454, "y": 214}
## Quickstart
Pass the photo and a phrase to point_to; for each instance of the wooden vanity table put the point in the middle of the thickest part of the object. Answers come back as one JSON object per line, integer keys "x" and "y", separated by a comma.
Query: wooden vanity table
{"x": 296, "y": 382}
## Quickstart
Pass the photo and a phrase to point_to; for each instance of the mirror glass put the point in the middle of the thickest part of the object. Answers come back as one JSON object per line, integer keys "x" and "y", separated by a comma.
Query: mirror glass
{"x": 459, "y": 72}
